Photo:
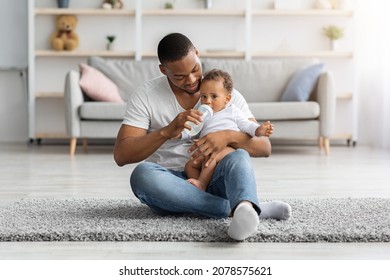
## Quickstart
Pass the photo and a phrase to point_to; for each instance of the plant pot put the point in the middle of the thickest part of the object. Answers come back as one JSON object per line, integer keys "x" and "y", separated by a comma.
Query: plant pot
{"x": 333, "y": 45}
{"x": 110, "y": 46}
{"x": 346, "y": 5}
{"x": 63, "y": 3}
{"x": 208, "y": 4}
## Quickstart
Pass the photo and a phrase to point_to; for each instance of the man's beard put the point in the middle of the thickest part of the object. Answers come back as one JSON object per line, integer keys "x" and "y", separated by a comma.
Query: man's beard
{"x": 194, "y": 91}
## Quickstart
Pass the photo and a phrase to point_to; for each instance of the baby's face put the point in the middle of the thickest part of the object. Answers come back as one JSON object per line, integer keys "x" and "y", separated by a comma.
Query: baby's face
{"x": 214, "y": 94}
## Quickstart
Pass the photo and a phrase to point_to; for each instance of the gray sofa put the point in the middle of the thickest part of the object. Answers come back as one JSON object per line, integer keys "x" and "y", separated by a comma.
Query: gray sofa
{"x": 261, "y": 82}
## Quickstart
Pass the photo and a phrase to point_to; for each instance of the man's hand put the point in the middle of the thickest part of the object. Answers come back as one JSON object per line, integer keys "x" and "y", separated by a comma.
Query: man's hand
{"x": 134, "y": 144}
{"x": 174, "y": 129}
{"x": 209, "y": 146}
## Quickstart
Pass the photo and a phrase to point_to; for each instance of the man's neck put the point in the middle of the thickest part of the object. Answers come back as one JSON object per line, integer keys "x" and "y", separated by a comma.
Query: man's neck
{"x": 186, "y": 100}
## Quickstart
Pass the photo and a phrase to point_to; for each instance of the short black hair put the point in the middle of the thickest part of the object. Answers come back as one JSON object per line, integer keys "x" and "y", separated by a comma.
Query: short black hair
{"x": 216, "y": 75}
{"x": 173, "y": 47}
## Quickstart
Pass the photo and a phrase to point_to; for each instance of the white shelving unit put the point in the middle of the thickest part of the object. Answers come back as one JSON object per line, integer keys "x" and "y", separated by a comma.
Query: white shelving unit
{"x": 140, "y": 16}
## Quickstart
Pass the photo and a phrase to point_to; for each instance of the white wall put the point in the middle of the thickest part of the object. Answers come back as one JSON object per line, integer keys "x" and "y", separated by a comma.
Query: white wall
{"x": 274, "y": 33}
{"x": 13, "y": 108}
{"x": 13, "y": 53}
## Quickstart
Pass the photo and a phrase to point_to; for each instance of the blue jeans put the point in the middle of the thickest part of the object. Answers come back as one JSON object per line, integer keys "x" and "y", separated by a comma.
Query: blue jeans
{"x": 167, "y": 192}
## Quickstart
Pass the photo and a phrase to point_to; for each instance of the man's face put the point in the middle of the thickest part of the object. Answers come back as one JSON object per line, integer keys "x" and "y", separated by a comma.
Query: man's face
{"x": 184, "y": 74}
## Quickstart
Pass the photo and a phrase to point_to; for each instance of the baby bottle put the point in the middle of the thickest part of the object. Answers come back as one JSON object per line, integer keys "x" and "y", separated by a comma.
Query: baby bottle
{"x": 196, "y": 128}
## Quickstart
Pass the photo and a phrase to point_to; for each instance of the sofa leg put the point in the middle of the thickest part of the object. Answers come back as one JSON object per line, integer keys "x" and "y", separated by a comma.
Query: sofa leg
{"x": 73, "y": 143}
{"x": 327, "y": 146}
{"x": 320, "y": 142}
{"x": 85, "y": 145}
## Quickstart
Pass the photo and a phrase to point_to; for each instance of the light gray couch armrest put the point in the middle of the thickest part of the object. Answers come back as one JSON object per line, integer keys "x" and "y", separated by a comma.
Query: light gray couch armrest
{"x": 326, "y": 97}
{"x": 73, "y": 100}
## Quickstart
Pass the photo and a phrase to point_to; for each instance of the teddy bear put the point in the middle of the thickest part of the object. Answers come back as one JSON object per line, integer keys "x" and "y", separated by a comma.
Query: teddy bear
{"x": 112, "y": 4}
{"x": 65, "y": 37}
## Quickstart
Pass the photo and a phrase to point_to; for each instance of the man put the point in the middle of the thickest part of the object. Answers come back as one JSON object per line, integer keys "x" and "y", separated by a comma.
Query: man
{"x": 156, "y": 114}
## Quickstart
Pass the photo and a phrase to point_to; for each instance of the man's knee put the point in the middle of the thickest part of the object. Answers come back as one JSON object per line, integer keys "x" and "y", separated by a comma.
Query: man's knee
{"x": 142, "y": 174}
{"x": 237, "y": 162}
{"x": 239, "y": 157}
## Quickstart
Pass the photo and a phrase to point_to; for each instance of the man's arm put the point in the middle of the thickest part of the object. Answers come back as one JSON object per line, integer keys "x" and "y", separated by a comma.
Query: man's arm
{"x": 211, "y": 144}
{"x": 135, "y": 144}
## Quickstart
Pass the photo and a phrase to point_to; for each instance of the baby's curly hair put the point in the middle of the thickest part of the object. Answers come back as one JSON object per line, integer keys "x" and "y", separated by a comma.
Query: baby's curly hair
{"x": 216, "y": 75}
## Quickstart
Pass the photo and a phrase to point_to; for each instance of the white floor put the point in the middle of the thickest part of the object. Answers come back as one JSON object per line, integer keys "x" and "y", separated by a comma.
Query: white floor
{"x": 291, "y": 172}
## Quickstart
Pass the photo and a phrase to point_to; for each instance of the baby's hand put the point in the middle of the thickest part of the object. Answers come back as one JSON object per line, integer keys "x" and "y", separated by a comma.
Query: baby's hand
{"x": 266, "y": 129}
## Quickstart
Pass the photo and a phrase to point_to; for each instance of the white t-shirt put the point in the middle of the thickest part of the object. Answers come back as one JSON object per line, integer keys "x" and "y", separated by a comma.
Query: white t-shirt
{"x": 154, "y": 106}
{"x": 230, "y": 118}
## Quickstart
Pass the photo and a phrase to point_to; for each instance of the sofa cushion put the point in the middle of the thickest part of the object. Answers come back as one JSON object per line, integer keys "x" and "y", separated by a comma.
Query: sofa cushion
{"x": 285, "y": 110}
{"x": 127, "y": 74}
{"x": 260, "y": 80}
{"x": 302, "y": 83}
{"x": 102, "y": 111}
{"x": 97, "y": 86}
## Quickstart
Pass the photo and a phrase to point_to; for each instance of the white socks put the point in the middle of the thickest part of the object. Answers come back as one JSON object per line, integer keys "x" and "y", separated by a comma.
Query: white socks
{"x": 244, "y": 223}
{"x": 278, "y": 210}
{"x": 245, "y": 218}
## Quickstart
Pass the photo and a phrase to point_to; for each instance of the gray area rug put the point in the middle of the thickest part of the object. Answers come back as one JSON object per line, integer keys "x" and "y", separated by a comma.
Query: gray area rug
{"x": 314, "y": 220}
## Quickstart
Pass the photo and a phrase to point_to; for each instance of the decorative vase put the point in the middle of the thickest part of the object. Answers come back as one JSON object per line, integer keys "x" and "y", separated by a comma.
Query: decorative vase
{"x": 63, "y": 3}
{"x": 346, "y": 5}
{"x": 208, "y": 4}
{"x": 323, "y": 5}
{"x": 110, "y": 46}
{"x": 333, "y": 45}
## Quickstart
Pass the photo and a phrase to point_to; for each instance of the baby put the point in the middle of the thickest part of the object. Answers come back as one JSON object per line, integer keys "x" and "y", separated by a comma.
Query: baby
{"x": 215, "y": 90}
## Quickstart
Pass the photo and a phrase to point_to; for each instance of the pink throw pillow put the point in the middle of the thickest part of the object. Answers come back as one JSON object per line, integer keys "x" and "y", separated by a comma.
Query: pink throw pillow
{"x": 97, "y": 86}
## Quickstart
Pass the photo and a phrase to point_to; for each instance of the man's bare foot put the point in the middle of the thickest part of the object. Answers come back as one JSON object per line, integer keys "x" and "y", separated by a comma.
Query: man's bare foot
{"x": 200, "y": 185}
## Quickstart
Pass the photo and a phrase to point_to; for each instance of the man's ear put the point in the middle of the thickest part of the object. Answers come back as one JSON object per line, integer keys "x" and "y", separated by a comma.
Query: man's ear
{"x": 162, "y": 69}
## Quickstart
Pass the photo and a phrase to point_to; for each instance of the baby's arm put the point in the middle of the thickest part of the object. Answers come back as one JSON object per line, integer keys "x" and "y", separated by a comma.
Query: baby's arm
{"x": 265, "y": 129}
{"x": 252, "y": 128}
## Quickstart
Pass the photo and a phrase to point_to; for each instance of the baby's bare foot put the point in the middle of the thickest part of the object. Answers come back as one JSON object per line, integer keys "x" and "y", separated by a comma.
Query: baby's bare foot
{"x": 200, "y": 185}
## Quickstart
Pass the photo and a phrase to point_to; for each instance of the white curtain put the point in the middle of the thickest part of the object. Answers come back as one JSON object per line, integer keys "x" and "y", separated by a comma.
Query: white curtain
{"x": 372, "y": 53}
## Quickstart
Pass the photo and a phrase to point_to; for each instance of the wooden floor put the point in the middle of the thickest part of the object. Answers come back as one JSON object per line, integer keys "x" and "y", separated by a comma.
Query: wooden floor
{"x": 291, "y": 172}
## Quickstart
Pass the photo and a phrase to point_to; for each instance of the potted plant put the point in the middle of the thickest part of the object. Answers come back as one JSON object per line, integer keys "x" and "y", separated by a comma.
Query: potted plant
{"x": 169, "y": 6}
{"x": 110, "y": 43}
{"x": 334, "y": 33}
{"x": 63, "y": 3}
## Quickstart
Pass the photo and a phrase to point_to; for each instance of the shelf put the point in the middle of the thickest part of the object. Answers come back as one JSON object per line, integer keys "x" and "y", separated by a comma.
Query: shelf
{"x": 322, "y": 54}
{"x": 227, "y": 54}
{"x": 83, "y": 53}
{"x": 87, "y": 12}
{"x": 192, "y": 12}
{"x": 222, "y": 54}
{"x": 49, "y": 94}
{"x": 278, "y": 54}
{"x": 237, "y": 54}
{"x": 313, "y": 13}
